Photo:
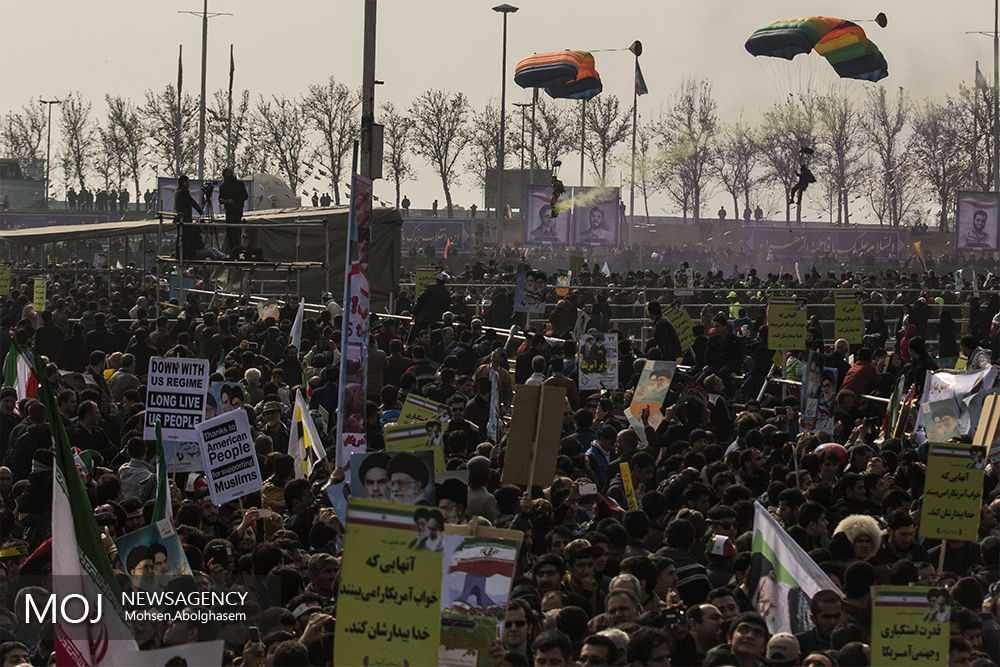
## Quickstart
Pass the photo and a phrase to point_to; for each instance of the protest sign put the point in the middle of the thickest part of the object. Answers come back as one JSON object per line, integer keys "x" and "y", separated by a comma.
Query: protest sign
{"x": 986, "y": 431}
{"x": 533, "y": 441}
{"x": 269, "y": 308}
{"x": 478, "y": 566}
{"x": 38, "y": 302}
{"x": 848, "y": 319}
{"x": 399, "y": 477}
{"x": 597, "y": 358}
{"x": 424, "y": 276}
{"x": 389, "y": 603}
{"x": 176, "y": 396}
{"x": 417, "y": 437}
{"x": 941, "y": 420}
{"x": 909, "y": 625}
{"x": 650, "y": 392}
{"x": 953, "y": 491}
{"x": 182, "y": 456}
{"x": 530, "y": 292}
{"x": 228, "y": 457}
{"x": 4, "y": 282}
{"x": 818, "y": 396}
{"x": 626, "y": 472}
{"x": 682, "y": 325}
{"x": 417, "y": 409}
{"x": 786, "y": 324}
{"x": 152, "y": 554}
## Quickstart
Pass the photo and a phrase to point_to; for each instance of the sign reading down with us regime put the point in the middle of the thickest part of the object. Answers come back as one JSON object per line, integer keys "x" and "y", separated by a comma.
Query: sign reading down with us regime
{"x": 228, "y": 454}
{"x": 176, "y": 397}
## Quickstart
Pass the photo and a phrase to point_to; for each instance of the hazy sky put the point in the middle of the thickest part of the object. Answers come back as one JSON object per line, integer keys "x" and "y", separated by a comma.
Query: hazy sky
{"x": 124, "y": 47}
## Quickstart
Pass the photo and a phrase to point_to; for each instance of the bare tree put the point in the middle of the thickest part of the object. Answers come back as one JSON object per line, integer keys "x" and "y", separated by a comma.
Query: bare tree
{"x": 607, "y": 126}
{"x": 79, "y": 136}
{"x": 172, "y": 132}
{"x": 976, "y": 134}
{"x": 440, "y": 133}
{"x": 646, "y": 177}
{"x": 939, "y": 156}
{"x": 554, "y": 132}
{"x": 688, "y": 132}
{"x": 332, "y": 110}
{"x": 787, "y": 129}
{"x": 22, "y": 134}
{"x": 282, "y": 131}
{"x": 735, "y": 161}
{"x": 398, "y": 128}
{"x": 128, "y": 139}
{"x": 484, "y": 138}
{"x": 241, "y": 155}
{"x": 105, "y": 161}
{"x": 840, "y": 126}
{"x": 893, "y": 183}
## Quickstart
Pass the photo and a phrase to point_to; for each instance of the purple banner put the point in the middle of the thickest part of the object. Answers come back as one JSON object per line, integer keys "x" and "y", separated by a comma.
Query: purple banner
{"x": 30, "y": 219}
{"x": 791, "y": 244}
{"x": 422, "y": 232}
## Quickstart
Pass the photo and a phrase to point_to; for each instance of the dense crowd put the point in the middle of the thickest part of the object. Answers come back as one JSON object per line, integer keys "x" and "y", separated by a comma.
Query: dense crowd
{"x": 596, "y": 583}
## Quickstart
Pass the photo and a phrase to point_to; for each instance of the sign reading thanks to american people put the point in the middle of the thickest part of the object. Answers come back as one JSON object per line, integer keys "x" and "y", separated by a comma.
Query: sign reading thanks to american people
{"x": 176, "y": 396}
{"x": 228, "y": 456}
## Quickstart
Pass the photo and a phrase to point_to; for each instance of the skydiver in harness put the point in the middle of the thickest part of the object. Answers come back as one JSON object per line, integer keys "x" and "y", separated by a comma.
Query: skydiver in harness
{"x": 805, "y": 176}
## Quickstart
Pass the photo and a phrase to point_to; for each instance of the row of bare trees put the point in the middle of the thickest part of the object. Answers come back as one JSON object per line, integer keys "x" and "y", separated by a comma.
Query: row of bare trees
{"x": 881, "y": 147}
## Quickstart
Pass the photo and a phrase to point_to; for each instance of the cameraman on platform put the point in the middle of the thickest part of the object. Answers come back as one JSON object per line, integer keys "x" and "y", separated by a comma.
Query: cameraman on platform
{"x": 232, "y": 194}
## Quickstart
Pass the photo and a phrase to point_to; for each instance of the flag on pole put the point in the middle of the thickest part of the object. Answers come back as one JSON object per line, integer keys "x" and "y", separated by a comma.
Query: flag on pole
{"x": 162, "y": 507}
{"x": 81, "y": 563}
{"x": 640, "y": 83}
{"x": 232, "y": 69}
{"x": 920, "y": 253}
{"x": 297, "y": 326}
{"x": 892, "y": 414}
{"x": 447, "y": 247}
{"x": 180, "y": 73}
{"x": 19, "y": 372}
{"x": 783, "y": 577}
{"x": 308, "y": 446}
{"x": 606, "y": 270}
{"x": 980, "y": 79}
{"x": 220, "y": 365}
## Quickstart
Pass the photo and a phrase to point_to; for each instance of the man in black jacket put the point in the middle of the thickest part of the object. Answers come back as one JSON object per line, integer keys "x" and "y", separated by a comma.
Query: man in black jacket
{"x": 232, "y": 195}
{"x": 664, "y": 335}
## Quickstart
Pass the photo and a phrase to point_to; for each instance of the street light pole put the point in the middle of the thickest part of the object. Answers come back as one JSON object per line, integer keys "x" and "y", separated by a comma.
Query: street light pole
{"x": 522, "y": 106}
{"x": 503, "y": 9}
{"x": 48, "y": 149}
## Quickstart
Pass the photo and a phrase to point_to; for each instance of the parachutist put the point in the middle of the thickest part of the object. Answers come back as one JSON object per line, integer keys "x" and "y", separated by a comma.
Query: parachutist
{"x": 805, "y": 177}
{"x": 558, "y": 189}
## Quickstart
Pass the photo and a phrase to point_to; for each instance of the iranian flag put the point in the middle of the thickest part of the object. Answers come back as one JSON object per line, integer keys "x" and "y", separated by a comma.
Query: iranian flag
{"x": 19, "y": 372}
{"x": 484, "y": 556}
{"x": 783, "y": 576}
{"x": 80, "y": 565}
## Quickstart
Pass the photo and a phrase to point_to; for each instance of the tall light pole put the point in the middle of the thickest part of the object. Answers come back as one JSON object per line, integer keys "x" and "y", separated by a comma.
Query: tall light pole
{"x": 204, "y": 66}
{"x": 522, "y": 106}
{"x": 503, "y": 9}
{"x": 636, "y": 50}
{"x": 48, "y": 149}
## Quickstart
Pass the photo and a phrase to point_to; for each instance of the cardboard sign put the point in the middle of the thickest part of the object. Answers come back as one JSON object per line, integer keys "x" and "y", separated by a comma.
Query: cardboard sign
{"x": 786, "y": 324}
{"x": 228, "y": 457}
{"x": 418, "y": 410}
{"x": 682, "y": 325}
{"x": 597, "y": 359}
{"x": 533, "y": 441}
{"x": 424, "y": 276}
{"x": 390, "y": 595}
{"x": 182, "y": 456}
{"x": 848, "y": 319}
{"x": 986, "y": 431}
{"x": 910, "y": 625}
{"x": 650, "y": 392}
{"x": 159, "y": 555}
{"x": 4, "y": 282}
{"x": 417, "y": 437}
{"x": 953, "y": 492}
{"x": 38, "y": 302}
{"x": 176, "y": 396}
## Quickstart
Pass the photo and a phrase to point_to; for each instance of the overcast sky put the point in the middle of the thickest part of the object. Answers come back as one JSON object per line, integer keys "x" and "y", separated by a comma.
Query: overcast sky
{"x": 124, "y": 47}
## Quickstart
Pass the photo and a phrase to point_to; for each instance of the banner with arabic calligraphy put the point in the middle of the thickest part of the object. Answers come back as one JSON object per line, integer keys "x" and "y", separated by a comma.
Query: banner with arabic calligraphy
{"x": 953, "y": 492}
{"x": 909, "y": 625}
{"x": 389, "y": 607}
{"x": 422, "y": 232}
{"x": 777, "y": 244}
{"x": 786, "y": 324}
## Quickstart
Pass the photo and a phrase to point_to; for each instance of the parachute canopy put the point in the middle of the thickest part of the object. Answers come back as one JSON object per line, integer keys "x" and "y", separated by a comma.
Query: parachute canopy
{"x": 843, "y": 43}
{"x": 563, "y": 74}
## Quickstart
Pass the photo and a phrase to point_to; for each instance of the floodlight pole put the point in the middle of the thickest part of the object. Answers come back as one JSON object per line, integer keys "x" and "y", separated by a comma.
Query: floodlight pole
{"x": 48, "y": 149}
{"x": 504, "y": 9}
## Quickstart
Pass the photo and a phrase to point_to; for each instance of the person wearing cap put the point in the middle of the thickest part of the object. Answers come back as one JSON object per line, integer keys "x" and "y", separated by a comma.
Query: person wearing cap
{"x": 274, "y": 426}
{"x": 580, "y": 583}
{"x": 407, "y": 478}
{"x": 783, "y": 649}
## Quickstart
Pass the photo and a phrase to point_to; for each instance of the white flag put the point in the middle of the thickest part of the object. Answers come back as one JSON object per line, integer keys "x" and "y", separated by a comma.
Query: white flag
{"x": 297, "y": 326}
{"x": 308, "y": 446}
{"x": 606, "y": 270}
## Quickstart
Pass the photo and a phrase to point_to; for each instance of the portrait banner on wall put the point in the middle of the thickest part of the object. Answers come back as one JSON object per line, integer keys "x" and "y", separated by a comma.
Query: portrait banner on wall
{"x": 540, "y": 227}
{"x": 976, "y": 221}
{"x": 596, "y": 217}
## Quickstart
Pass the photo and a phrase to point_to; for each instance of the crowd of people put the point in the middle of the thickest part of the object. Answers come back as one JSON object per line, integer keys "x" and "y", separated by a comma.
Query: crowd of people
{"x": 596, "y": 583}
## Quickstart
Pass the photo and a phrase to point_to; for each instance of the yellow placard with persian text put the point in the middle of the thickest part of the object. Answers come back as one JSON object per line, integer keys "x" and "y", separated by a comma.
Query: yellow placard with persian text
{"x": 389, "y": 607}
{"x": 849, "y": 322}
{"x": 786, "y": 324}
{"x": 909, "y": 626}
{"x": 682, "y": 325}
{"x": 424, "y": 276}
{"x": 417, "y": 437}
{"x": 4, "y": 282}
{"x": 38, "y": 303}
{"x": 626, "y": 471}
{"x": 953, "y": 492}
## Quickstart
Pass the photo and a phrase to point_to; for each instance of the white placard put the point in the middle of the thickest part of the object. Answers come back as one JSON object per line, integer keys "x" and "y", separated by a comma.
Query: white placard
{"x": 229, "y": 457}
{"x": 176, "y": 396}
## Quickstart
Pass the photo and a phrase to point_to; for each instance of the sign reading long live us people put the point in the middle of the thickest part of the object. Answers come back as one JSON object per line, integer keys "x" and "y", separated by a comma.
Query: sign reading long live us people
{"x": 176, "y": 397}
